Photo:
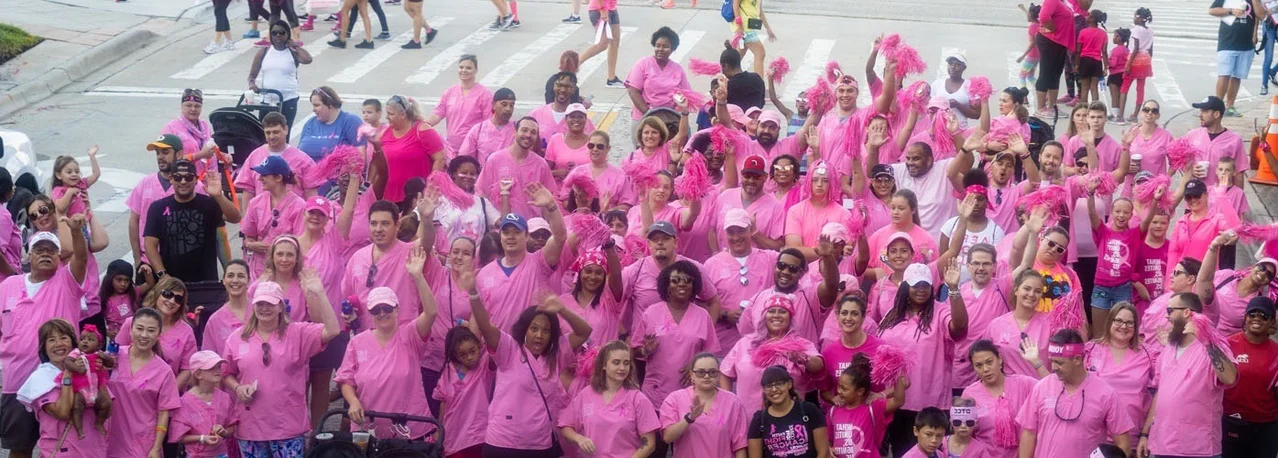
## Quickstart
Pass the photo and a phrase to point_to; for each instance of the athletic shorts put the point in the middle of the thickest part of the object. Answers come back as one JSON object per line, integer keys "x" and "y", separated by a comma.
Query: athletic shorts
{"x": 613, "y": 17}
{"x": 1234, "y": 64}
{"x": 1114, "y": 79}
{"x": 1090, "y": 68}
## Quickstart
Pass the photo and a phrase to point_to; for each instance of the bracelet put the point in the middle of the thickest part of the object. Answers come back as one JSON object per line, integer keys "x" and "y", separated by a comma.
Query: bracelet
{"x": 1037, "y": 364}
{"x": 201, "y": 439}
{"x": 688, "y": 418}
{"x": 161, "y": 429}
{"x": 474, "y": 297}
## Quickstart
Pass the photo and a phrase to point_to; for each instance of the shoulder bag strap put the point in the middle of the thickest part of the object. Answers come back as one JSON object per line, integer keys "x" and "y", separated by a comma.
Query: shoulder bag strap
{"x": 536, "y": 383}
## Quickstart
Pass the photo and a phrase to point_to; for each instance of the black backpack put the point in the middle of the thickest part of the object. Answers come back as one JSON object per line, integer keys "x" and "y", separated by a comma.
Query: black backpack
{"x": 1040, "y": 132}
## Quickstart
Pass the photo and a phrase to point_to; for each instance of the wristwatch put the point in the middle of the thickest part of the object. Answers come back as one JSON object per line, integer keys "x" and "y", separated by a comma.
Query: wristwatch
{"x": 688, "y": 418}
{"x": 66, "y": 381}
{"x": 161, "y": 274}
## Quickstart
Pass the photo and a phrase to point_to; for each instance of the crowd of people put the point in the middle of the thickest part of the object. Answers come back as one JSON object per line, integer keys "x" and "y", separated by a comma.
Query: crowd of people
{"x": 923, "y": 276}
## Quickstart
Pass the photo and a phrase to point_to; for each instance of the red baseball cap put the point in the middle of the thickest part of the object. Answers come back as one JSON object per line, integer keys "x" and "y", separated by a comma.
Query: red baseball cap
{"x": 756, "y": 165}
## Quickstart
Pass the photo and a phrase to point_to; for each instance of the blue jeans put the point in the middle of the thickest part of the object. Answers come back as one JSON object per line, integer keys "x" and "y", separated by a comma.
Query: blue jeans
{"x": 1271, "y": 39}
{"x": 1104, "y": 297}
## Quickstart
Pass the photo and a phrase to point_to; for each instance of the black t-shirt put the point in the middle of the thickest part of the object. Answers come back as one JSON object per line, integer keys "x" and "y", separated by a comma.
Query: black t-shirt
{"x": 746, "y": 90}
{"x": 1236, "y": 36}
{"x": 789, "y": 436}
{"x": 188, "y": 236}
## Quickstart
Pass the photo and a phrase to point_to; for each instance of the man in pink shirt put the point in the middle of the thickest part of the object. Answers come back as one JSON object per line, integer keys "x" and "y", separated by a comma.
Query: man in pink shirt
{"x": 518, "y": 278}
{"x": 51, "y": 290}
{"x": 276, "y": 130}
{"x": 507, "y": 173}
{"x": 151, "y": 189}
{"x": 766, "y": 212}
{"x": 768, "y": 140}
{"x": 1214, "y": 141}
{"x": 1107, "y": 148}
{"x": 1193, "y": 373}
{"x": 810, "y": 304}
{"x": 1069, "y": 414}
{"x": 933, "y": 182}
{"x": 495, "y": 134}
{"x": 739, "y": 272}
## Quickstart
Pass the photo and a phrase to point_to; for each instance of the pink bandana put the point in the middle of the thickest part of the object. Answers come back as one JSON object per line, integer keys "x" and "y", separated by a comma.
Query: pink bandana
{"x": 593, "y": 256}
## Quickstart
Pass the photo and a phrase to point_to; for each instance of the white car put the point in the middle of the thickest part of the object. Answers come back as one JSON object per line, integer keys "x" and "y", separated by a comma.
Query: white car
{"x": 18, "y": 157}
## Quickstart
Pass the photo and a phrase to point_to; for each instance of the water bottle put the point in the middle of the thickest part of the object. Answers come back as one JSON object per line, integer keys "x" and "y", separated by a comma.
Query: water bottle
{"x": 113, "y": 348}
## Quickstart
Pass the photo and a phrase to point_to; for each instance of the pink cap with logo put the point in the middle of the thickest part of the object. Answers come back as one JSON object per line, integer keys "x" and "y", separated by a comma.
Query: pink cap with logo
{"x": 918, "y": 273}
{"x": 538, "y": 224}
{"x": 736, "y": 218}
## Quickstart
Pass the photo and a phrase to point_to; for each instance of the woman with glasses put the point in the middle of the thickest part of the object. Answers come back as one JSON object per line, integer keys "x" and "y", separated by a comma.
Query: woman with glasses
{"x": 609, "y": 179}
{"x": 669, "y": 333}
{"x": 1046, "y": 254}
{"x": 1149, "y": 143}
{"x": 276, "y": 211}
{"x": 412, "y": 149}
{"x": 381, "y": 369}
{"x": 145, "y": 392}
{"x": 999, "y": 397}
{"x": 269, "y": 355}
{"x": 784, "y": 184}
{"x": 330, "y": 127}
{"x": 771, "y": 344}
{"x": 611, "y": 417}
{"x": 1227, "y": 291}
{"x": 1118, "y": 357}
{"x": 1024, "y": 330}
{"x": 787, "y": 426}
{"x": 231, "y": 315}
{"x": 464, "y": 105}
{"x": 176, "y": 337}
{"x": 570, "y": 147}
{"x": 277, "y": 64}
{"x": 721, "y": 430}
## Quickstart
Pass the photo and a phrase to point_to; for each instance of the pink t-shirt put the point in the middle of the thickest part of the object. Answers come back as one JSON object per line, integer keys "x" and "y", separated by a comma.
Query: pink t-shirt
{"x": 934, "y": 349}
{"x": 1108, "y": 150}
{"x": 77, "y": 206}
{"x": 806, "y": 220}
{"x": 604, "y": 317}
{"x": 193, "y": 135}
{"x": 615, "y": 426}
{"x": 22, "y": 315}
{"x": 387, "y": 377}
{"x": 838, "y": 357}
{"x": 1186, "y": 376}
{"x": 1098, "y": 417}
{"x": 1117, "y": 254}
{"x": 1004, "y": 213}
{"x": 659, "y": 160}
{"x": 857, "y": 431}
{"x": 982, "y": 309}
{"x": 506, "y": 295}
{"x": 831, "y": 132}
{"x": 1151, "y": 263}
{"x": 93, "y": 445}
{"x": 516, "y": 417}
{"x": 1092, "y": 41}
{"x": 1231, "y": 201}
{"x": 279, "y": 410}
{"x": 1152, "y": 150}
{"x": 485, "y": 138}
{"x": 1228, "y": 306}
{"x": 501, "y": 165}
{"x": 1152, "y": 322}
{"x": 1007, "y": 334}
{"x": 265, "y": 220}
{"x": 611, "y": 181}
{"x": 1118, "y": 60}
{"x": 1062, "y": 20}
{"x": 876, "y": 211}
{"x": 409, "y": 156}
{"x": 452, "y": 303}
{"x": 465, "y": 399}
{"x": 671, "y": 212}
{"x": 739, "y": 365}
{"x": 925, "y": 246}
{"x": 769, "y": 215}
{"x": 301, "y": 164}
{"x": 11, "y": 239}
{"x": 695, "y": 243}
{"x": 719, "y": 431}
{"x": 219, "y": 327}
{"x": 138, "y": 396}
{"x": 806, "y": 322}
{"x": 1131, "y": 375}
{"x": 551, "y": 122}
{"x": 177, "y": 343}
{"x": 196, "y": 417}
{"x": 390, "y": 272}
{"x": 1191, "y": 238}
{"x": 657, "y": 83}
{"x": 1016, "y": 390}
{"x": 677, "y": 342}
{"x": 1227, "y": 144}
{"x": 640, "y": 288}
{"x": 882, "y": 295}
{"x": 326, "y": 257}
{"x": 463, "y": 109}
{"x": 148, "y": 190}
{"x": 558, "y": 152}
{"x": 737, "y": 281}
{"x": 935, "y": 193}
{"x": 1033, "y": 32}
{"x": 117, "y": 308}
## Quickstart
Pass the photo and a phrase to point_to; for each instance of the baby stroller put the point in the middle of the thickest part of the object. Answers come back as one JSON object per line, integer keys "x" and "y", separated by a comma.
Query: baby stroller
{"x": 238, "y": 130}
{"x": 341, "y": 444}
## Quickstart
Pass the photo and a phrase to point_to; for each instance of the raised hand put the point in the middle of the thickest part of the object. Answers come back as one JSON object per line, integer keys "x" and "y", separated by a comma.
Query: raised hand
{"x": 1029, "y": 350}
{"x": 75, "y": 222}
{"x": 952, "y": 275}
{"x": 539, "y": 195}
{"x": 550, "y": 304}
{"x": 1016, "y": 143}
{"x": 825, "y": 247}
{"x": 876, "y": 136}
{"x": 416, "y": 261}
{"x": 698, "y": 407}
{"x": 93, "y": 151}
{"x": 967, "y": 206}
{"x": 311, "y": 281}
{"x": 974, "y": 142}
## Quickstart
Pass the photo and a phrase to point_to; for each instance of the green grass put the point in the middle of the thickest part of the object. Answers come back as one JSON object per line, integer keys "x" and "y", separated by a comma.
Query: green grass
{"x": 14, "y": 41}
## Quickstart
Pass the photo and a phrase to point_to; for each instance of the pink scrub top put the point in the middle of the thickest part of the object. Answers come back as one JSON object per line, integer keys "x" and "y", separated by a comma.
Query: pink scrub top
{"x": 769, "y": 215}
{"x": 298, "y": 162}
{"x": 640, "y": 286}
{"x": 739, "y": 365}
{"x": 564, "y": 156}
{"x": 93, "y": 445}
{"x": 220, "y": 325}
{"x": 507, "y": 295}
{"x": 501, "y": 165}
{"x": 1188, "y": 378}
{"x": 409, "y": 156}
{"x": 139, "y": 397}
{"x": 930, "y": 375}
{"x": 656, "y": 83}
{"x": 387, "y": 377}
{"x": 1153, "y": 150}
{"x": 390, "y": 272}
{"x": 838, "y": 357}
{"x": 197, "y": 417}
{"x": 612, "y": 182}
{"x": 279, "y": 410}
{"x": 981, "y": 311}
{"x": 21, "y": 317}
{"x": 265, "y": 221}
{"x": 806, "y": 220}
{"x": 485, "y": 138}
{"x": 1098, "y": 417}
{"x": 177, "y": 343}
{"x": 615, "y": 426}
{"x": 719, "y": 431}
{"x": 1016, "y": 390}
{"x": 737, "y": 280}
{"x": 1006, "y": 333}
{"x": 551, "y": 122}
{"x": 465, "y": 399}
{"x": 517, "y": 417}
{"x": 1131, "y": 375}
{"x": 452, "y": 303}
{"x": 1227, "y": 144}
{"x": 677, "y": 343}
{"x": 463, "y": 110}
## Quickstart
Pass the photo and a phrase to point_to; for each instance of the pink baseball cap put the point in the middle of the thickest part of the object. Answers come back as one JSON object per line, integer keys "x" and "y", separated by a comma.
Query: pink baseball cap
{"x": 737, "y": 115}
{"x": 320, "y": 204}
{"x": 938, "y": 102}
{"x": 268, "y": 292}
{"x": 736, "y": 218}
{"x": 382, "y": 295}
{"x": 837, "y": 232}
{"x": 917, "y": 273}
{"x": 899, "y": 236}
{"x": 753, "y": 111}
{"x": 204, "y": 360}
{"x": 772, "y": 116}
{"x": 537, "y": 224}
{"x": 575, "y": 108}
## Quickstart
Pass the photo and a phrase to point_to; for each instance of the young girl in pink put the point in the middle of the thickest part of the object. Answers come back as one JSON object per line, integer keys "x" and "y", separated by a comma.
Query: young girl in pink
{"x": 206, "y": 418}
{"x": 119, "y": 297}
{"x": 1116, "y": 244}
{"x": 1118, "y": 58}
{"x": 1091, "y": 57}
{"x": 464, "y": 389}
{"x": 857, "y": 422}
{"x": 70, "y": 189}
{"x": 91, "y": 386}
{"x": 1029, "y": 59}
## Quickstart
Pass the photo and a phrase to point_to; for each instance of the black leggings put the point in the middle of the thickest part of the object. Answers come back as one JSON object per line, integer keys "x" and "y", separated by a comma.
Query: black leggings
{"x": 289, "y": 110}
{"x": 377, "y": 8}
{"x": 286, "y": 6}
{"x": 1052, "y": 56}
{"x": 257, "y": 10}
{"x": 219, "y": 13}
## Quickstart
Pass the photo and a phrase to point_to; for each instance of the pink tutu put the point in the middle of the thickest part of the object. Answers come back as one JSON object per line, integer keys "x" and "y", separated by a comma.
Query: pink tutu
{"x": 1142, "y": 67}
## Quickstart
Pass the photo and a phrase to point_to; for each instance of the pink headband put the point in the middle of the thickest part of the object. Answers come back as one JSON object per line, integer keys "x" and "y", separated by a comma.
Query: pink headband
{"x": 289, "y": 239}
{"x": 781, "y": 302}
{"x": 91, "y": 329}
{"x": 975, "y": 189}
{"x": 1064, "y": 350}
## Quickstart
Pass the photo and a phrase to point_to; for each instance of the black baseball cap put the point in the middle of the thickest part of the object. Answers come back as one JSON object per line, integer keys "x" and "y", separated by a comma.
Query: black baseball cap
{"x": 1212, "y": 103}
{"x": 1195, "y": 188}
{"x": 183, "y": 166}
{"x": 881, "y": 170}
{"x": 1261, "y": 304}
{"x": 503, "y": 94}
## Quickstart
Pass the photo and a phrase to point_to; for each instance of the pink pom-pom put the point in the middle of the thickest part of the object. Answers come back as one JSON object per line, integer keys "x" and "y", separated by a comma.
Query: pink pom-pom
{"x": 1105, "y": 183}
{"x": 906, "y": 57}
{"x": 1180, "y": 154}
{"x": 780, "y": 67}
{"x": 1145, "y": 191}
{"x": 642, "y": 176}
{"x": 1001, "y": 127}
{"x": 856, "y": 219}
{"x": 852, "y": 141}
{"x": 1207, "y": 332}
{"x": 777, "y": 351}
{"x": 1068, "y": 312}
{"x": 1052, "y": 197}
{"x": 635, "y": 248}
{"x": 455, "y": 195}
{"x": 891, "y": 40}
{"x": 1006, "y": 433}
{"x": 586, "y": 363}
{"x": 888, "y": 364}
{"x": 979, "y": 88}
{"x": 942, "y": 142}
{"x": 720, "y": 139}
{"x": 703, "y": 67}
{"x": 1257, "y": 233}
{"x": 591, "y": 231}
{"x": 821, "y": 96}
{"x": 915, "y": 97}
{"x": 833, "y": 72}
{"x": 695, "y": 181}
{"x": 365, "y": 131}
{"x": 695, "y": 99}
{"x": 582, "y": 182}
{"x": 344, "y": 160}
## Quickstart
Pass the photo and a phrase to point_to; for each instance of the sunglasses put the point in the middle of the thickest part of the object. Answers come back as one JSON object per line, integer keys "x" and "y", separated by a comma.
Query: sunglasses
{"x": 792, "y": 268}
{"x": 322, "y": 94}
{"x": 783, "y": 168}
{"x": 43, "y": 210}
{"x": 968, "y": 423}
{"x": 275, "y": 218}
{"x": 1179, "y": 272}
{"x": 595, "y": 146}
{"x": 705, "y": 373}
{"x": 380, "y": 310}
{"x": 1058, "y": 248}
{"x": 278, "y": 32}
{"x": 178, "y": 299}
{"x": 680, "y": 280}
{"x": 266, "y": 354}
{"x": 194, "y": 92}
{"x": 372, "y": 274}
{"x": 1260, "y": 315}
{"x": 1171, "y": 310}
{"x": 1150, "y": 110}
{"x": 182, "y": 177}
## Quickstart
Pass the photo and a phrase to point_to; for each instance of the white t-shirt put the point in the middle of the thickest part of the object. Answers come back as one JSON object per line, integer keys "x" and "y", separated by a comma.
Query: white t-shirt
{"x": 1146, "y": 35}
{"x": 936, "y": 198}
{"x": 992, "y": 234}
{"x": 961, "y": 96}
{"x": 471, "y": 222}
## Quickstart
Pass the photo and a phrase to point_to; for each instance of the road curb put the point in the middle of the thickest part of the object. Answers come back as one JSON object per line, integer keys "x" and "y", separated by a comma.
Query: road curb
{"x": 73, "y": 70}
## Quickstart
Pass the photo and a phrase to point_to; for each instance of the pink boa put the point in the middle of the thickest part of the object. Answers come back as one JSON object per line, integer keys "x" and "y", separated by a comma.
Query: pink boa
{"x": 1181, "y": 153}
{"x": 821, "y": 96}
{"x": 780, "y": 67}
{"x": 703, "y": 67}
{"x": 852, "y": 141}
{"x": 455, "y": 195}
{"x": 1068, "y": 312}
{"x": 344, "y": 160}
{"x": 979, "y": 88}
{"x": 695, "y": 181}
{"x": 1257, "y": 233}
{"x": 906, "y": 57}
{"x": 1006, "y": 433}
{"x": 591, "y": 231}
{"x": 635, "y": 248}
{"x": 1145, "y": 191}
{"x": 889, "y": 363}
{"x": 642, "y": 176}
{"x": 721, "y": 139}
{"x": 582, "y": 182}
{"x": 856, "y": 219}
{"x": 776, "y": 352}
{"x": 586, "y": 363}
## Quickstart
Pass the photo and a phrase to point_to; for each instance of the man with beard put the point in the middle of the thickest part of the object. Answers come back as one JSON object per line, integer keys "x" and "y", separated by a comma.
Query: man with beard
{"x": 934, "y": 182}
{"x": 493, "y": 135}
{"x": 640, "y": 278}
{"x": 1192, "y": 376}
{"x": 52, "y": 290}
{"x": 1003, "y": 191}
{"x": 768, "y": 215}
{"x": 739, "y": 272}
{"x": 512, "y": 283}
{"x": 150, "y": 189}
{"x": 1215, "y": 141}
{"x": 553, "y": 116}
{"x": 1251, "y": 405}
{"x": 506, "y": 174}
{"x": 1154, "y": 324}
{"x": 182, "y": 229}
{"x": 810, "y": 303}
{"x": 1070, "y": 414}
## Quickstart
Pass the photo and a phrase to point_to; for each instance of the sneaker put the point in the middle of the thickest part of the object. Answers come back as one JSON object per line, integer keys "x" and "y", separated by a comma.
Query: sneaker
{"x": 514, "y": 24}
{"x": 252, "y": 34}
{"x": 248, "y": 18}
{"x": 213, "y": 48}
{"x": 230, "y": 45}
{"x": 1264, "y": 90}
{"x": 1065, "y": 99}
{"x": 338, "y": 44}
{"x": 615, "y": 83}
{"x": 1072, "y": 102}
{"x": 331, "y": 18}
{"x": 430, "y": 36}
{"x": 496, "y": 25}
{"x": 366, "y": 44}
{"x": 1233, "y": 113}
{"x": 1120, "y": 122}
{"x": 412, "y": 45}
{"x": 385, "y": 35}
{"x": 573, "y": 19}
{"x": 308, "y": 26}
{"x": 263, "y": 43}
{"x": 1045, "y": 113}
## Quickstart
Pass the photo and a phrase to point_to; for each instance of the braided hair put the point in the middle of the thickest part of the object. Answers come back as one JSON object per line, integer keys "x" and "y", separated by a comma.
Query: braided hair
{"x": 901, "y": 310}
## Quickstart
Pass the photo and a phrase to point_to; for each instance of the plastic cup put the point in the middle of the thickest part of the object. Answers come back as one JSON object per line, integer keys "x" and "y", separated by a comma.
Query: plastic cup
{"x": 1136, "y": 159}
{"x": 360, "y": 439}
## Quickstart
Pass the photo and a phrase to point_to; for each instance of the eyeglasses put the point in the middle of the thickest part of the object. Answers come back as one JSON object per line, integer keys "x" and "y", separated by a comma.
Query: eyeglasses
{"x": 1124, "y": 324}
{"x": 266, "y": 354}
{"x": 43, "y": 210}
{"x": 1178, "y": 272}
{"x": 382, "y": 309}
{"x": 680, "y": 280}
{"x": 1081, "y": 164}
{"x": 1171, "y": 310}
{"x": 775, "y": 386}
{"x": 1081, "y": 405}
{"x": 372, "y": 274}
{"x": 275, "y": 218}
{"x": 175, "y": 297}
{"x": 594, "y": 146}
{"x": 968, "y": 423}
{"x": 705, "y": 373}
{"x": 182, "y": 177}
{"x": 792, "y": 268}
{"x": 1058, "y": 248}
{"x": 1260, "y": 315}
{"x": 1150, "y": 110}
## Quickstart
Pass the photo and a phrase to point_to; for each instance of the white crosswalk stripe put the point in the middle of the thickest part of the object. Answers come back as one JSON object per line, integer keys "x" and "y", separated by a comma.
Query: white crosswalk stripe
{"x": 212, "y": 62}
{"x": 1013, "y": 69}
{"x": 813, "y": 65}
{"x": 1171, "y": 19}
{"x": 1165, "y": 84}
{"x": 589, "y": 67}
{"x": 687, "y": 40}
{"x": 448, "y": 57}
{"x": 513, "y": 64}
{"x": 381, "y": 54}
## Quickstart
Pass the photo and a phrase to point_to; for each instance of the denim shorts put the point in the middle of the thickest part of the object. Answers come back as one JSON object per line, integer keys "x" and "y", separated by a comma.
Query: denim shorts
{"x": 1104, "y": 297}
{"x": 1234, "y": 64}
